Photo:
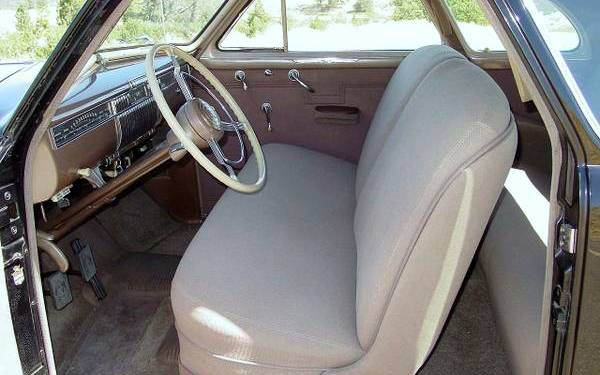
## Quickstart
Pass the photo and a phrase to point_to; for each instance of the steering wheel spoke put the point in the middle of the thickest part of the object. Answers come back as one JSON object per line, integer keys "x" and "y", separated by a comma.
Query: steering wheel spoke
{"x": 232, "y": 126}
{"x": 183, "y": 86}
{"x": 220, "y": 156}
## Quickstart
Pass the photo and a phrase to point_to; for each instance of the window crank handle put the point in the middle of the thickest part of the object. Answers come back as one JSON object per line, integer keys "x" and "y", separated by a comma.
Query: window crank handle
{"x": 294, "y": 75}
{"x": 267, "y": 109}
{"x": 240, "y": 76}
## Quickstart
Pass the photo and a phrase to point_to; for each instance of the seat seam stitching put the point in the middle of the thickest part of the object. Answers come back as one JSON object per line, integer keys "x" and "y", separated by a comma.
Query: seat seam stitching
{"x": 254, "y": 363}
{"x": 311, "y": 338}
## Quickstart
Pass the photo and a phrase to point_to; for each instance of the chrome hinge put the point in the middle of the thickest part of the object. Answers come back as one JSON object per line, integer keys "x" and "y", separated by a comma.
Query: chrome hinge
{"x": 564, "y": 257}
{"x": 561, "y": 306}
{"x": 567, "y": 235}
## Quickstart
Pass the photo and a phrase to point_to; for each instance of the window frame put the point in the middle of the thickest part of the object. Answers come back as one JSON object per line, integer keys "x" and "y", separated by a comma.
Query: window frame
{"x": 285, "y": 50}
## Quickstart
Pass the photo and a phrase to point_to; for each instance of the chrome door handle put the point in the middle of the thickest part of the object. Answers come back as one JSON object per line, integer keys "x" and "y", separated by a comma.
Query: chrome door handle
{"x": 294, "y": 75}
{"x": 240, "y": 76}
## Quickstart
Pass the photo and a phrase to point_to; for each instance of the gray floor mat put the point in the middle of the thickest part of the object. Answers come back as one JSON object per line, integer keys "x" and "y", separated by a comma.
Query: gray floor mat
{"x": 177, "y": 242}
{"x": 137, "y": 223}
{"x": 124, "y": 333}
{"x": 469, "y": 343}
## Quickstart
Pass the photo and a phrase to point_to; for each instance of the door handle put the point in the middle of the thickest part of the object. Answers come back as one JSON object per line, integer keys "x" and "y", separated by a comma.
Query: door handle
{"x": 267, "y": 109}
{"x": 240, "y": 76}
{"x": 337, "y": 114}
{"x": 294, "y": 76}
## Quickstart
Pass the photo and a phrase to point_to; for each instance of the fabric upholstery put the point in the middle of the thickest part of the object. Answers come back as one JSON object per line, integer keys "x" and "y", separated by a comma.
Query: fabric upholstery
{"x": 456, "y": 114}
{"x": 402, "y": 85}
{"x": 269, "y": 278}
{"x": 345, "y": 269}
{"x": 513, "y": 259}
{"x": 436, "y": 267}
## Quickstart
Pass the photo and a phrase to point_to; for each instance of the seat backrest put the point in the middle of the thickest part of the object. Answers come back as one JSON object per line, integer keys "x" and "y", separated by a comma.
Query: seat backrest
{"x": 399, "y": 90}
{"x": 433, "y": 164}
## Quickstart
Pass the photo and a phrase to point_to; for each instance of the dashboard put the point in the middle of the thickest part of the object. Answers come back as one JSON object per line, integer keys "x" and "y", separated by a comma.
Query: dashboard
{"x": 104, "y": 117}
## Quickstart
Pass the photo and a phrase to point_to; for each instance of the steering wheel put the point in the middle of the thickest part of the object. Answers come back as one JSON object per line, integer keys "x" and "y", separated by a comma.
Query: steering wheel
{"x": 197, "y": 123}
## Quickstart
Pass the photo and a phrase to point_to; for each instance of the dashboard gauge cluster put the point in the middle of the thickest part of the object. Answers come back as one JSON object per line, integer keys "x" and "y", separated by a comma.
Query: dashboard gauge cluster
{"x": 107, "y": 116}
{"x": 131, "y": 97}
{"x": 133, "y": 109}
{"x": 75, "y": 127}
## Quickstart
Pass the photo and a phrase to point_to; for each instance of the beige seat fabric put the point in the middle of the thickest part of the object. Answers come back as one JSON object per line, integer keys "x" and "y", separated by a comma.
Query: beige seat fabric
{"x": 337, "y": 269}
{"x": 270, "y": 277}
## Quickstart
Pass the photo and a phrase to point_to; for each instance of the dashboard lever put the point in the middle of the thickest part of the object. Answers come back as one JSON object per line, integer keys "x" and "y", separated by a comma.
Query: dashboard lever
{"x": 294, "y": 76}
{"x": 267, "y": 109}
{"x": 93, "y": 176}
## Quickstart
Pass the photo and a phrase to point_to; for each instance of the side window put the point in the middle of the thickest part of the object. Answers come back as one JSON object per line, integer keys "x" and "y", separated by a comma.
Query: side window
{"x": 347, "y": 25}
{"x": 258, "y": 27}
{"x": 474, "y": 26}
{"x": 480, "y": 36}
{"x": 334, "y": 25}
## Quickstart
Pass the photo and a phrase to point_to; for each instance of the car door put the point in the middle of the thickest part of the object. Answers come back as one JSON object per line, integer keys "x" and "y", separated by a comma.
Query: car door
{"x": 343, "y": 52}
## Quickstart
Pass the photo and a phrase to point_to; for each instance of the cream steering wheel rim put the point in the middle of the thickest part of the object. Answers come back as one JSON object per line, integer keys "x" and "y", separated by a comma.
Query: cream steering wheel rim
{"x": 180, "y": 133}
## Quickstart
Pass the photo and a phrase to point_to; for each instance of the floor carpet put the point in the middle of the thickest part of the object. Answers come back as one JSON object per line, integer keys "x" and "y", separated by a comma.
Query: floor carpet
{"x": 124, "y": 333}
{"x": 469, "y": 344}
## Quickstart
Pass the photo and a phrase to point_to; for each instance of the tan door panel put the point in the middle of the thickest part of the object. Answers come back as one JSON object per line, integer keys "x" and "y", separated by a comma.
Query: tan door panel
{"x": 297, "y": 117}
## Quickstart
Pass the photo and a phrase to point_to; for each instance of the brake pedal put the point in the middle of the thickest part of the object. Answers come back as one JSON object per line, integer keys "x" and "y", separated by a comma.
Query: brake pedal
{"x": 87, "y": 266}
{"x": 60, "y": 289}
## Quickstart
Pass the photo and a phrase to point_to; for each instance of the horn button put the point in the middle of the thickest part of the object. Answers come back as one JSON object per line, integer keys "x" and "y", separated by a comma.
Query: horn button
{"x": 200, "y": 121}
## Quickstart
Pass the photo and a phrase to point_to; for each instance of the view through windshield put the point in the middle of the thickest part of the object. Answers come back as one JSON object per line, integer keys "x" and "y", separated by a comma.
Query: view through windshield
{"x": 161, "y": 21}
{"x": 30, "y": 29}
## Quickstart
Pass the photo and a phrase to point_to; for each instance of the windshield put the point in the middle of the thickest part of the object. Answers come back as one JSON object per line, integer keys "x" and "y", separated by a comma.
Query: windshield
{"x": 29, "y": 32}
{"x": 30, "y": 29}
{"x": 571, "y": 31}
{"x": 161, "y": 21}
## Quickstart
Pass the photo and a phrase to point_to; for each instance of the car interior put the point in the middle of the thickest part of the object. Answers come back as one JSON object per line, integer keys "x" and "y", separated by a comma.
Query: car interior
{"x": 211, "y": 210}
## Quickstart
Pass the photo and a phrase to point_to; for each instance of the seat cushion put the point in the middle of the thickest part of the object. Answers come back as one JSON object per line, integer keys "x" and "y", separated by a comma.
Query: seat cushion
{"x": 270, "y": 277}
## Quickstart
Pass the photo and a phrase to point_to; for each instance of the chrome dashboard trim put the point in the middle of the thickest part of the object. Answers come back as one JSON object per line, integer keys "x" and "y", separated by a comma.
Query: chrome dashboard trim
{"x": 106, "y": 99}
{"x": 109, "y": 95}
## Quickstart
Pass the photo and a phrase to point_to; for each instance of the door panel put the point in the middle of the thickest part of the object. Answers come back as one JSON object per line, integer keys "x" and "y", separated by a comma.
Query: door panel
{"x": 334, "y": 119}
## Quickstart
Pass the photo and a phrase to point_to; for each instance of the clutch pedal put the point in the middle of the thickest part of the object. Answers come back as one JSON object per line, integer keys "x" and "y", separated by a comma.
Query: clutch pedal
{"x": 60, "y": 289}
